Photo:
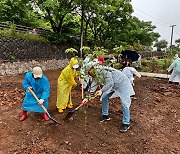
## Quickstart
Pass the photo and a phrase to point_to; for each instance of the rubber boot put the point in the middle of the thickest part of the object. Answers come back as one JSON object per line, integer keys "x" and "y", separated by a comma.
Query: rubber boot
{"x": 60, "y": 110}
{"x": 69, "y": 106}
{"x": 23, "y": 116}
{"x": 45, "y": 117}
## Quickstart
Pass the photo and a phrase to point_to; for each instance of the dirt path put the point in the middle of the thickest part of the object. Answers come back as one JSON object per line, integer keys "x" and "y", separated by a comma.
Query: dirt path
{"x": 155, "y": 123}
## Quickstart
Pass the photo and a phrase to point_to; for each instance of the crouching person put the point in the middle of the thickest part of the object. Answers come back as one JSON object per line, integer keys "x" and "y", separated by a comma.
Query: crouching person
{"x": 115, "y": 84}
{"x": 38, "y": 82}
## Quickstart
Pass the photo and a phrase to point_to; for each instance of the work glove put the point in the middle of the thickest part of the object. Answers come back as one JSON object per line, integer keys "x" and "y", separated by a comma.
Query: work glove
{"x": 30, "y": 88}
{"x": 98, "y": 93}
{"x": 40, "y": 102}
{"x": 85, "y": 101}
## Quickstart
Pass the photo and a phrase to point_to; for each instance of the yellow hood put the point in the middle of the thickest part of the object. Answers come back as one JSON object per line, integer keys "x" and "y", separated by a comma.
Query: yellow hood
{"x": 72, "y": 62}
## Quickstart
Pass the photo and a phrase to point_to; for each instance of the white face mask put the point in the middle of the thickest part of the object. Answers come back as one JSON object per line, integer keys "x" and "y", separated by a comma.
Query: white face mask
{"x": 75, "y": 66}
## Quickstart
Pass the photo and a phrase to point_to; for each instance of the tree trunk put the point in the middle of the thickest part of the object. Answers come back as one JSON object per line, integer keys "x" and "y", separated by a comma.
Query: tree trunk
{"x": 59, "y": 28}
{"x": 82, "y": 21}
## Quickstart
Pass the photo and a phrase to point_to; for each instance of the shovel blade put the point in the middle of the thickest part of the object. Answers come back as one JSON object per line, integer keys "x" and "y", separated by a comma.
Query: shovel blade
{"x": 52, "y": 118}
{"x": 69, "y": 115}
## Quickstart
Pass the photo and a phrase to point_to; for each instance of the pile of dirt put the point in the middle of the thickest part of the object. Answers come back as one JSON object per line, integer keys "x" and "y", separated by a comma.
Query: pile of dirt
{"x": 154, "y": 122}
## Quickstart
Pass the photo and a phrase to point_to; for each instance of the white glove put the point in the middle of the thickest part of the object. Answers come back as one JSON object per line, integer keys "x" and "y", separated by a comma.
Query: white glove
{"x": 29, "y": 87}
{"x": 98, "y": 93}
{"x": 85, "y": 101}
{"x": 41, "y": 101}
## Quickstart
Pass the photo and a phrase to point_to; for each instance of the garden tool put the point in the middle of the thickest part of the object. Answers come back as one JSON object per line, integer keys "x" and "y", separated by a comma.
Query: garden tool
{"x": 85, "y": 101}
{"x": 82, "y": 90}
{"x": 45, "y": 110}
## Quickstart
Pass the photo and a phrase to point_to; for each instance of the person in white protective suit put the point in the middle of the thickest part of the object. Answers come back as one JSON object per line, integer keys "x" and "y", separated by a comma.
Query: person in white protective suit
{"x": 130, "y": 72}
{"x": 115, "y": 84}
{"x": 175, "y": 66}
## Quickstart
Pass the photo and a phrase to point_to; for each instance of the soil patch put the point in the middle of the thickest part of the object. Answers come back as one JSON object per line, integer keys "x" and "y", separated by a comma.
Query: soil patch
{"x": 155, "y": 123}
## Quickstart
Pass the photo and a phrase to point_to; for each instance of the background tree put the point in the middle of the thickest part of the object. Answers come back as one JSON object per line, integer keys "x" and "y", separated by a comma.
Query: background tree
{"x": 162, "y": 44}
{"x": 107, "y": 23}
{"x": 19, "y": 12}
{"x": 177, "y": 42}
{"x": 55, "y": 11}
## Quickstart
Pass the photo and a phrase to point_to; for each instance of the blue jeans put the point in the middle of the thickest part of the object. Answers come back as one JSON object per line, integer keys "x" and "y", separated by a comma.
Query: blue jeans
{"x": 125, "y": 109}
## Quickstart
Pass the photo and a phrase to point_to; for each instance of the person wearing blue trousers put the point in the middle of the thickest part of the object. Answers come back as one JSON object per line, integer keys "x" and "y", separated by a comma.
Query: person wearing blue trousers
{"x": 115, "y": 84}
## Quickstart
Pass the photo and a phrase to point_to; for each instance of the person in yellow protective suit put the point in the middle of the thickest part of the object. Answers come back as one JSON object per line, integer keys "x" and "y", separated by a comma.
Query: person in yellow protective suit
{"x": 65, "y": 83}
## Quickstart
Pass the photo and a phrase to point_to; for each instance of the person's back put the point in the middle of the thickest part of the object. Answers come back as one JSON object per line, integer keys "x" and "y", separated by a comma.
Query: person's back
{"x": 130, "y": 72}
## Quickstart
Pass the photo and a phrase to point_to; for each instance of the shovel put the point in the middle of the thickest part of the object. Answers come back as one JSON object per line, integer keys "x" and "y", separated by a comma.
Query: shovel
{"x": 45, "y": 110}
{"x": 70, "y": 114}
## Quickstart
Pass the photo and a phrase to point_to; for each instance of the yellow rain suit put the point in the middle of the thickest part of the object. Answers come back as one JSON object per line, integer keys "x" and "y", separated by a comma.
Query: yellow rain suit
{"x": 65, "y": 83}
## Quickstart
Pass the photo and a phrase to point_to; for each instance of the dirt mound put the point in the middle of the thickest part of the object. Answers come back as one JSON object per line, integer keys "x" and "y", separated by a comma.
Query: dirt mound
{"x": 154, "y": 122}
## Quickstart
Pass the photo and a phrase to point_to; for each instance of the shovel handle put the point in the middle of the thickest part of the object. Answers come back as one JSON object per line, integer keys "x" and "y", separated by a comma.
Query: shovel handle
{"x": 32, "y": 92}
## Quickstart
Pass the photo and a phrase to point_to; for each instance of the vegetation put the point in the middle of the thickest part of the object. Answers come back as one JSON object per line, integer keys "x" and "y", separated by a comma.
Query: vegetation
{"x": 155, "y": 65}
{"x": 104, "y": 27}
{"x": 22, "y": 35}
{"x": 162, "y": 44}
{"x": 103, "y": 23}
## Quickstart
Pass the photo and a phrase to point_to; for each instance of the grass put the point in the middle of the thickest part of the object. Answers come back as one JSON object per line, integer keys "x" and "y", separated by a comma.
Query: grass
{"x": 22, "y": 35}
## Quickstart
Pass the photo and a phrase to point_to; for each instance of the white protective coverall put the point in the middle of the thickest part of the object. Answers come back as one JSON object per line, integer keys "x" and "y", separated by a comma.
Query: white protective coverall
{"x": 118, "y": 84}
{"x": 175, "y": 75}
{"x": 130, "y": 72}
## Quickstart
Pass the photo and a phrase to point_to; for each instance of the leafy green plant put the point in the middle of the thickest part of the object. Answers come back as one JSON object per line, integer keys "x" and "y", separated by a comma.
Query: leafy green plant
{"x": 117, "y": 52}
{"x": 22, "y": 35}
{"x": 85, "y": 50}
{"x": 99, "y": 51}
{"x": 71, "y": 50}
{"x": 13, "y": 58}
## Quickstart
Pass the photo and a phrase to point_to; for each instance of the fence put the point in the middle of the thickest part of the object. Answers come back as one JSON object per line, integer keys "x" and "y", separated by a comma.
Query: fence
{"x": 156, "y": 54}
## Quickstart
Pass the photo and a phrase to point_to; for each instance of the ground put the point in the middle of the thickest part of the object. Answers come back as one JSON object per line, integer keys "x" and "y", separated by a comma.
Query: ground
{"x": 155, "y": 123}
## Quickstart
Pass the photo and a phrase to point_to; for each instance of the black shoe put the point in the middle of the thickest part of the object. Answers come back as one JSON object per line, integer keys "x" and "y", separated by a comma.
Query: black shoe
{"x": 104, "y": 118}
{"x": 124, "y": 128}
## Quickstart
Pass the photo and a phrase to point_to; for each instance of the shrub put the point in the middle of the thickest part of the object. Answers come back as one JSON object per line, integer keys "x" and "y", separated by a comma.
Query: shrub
{"x": 22, "y": 35}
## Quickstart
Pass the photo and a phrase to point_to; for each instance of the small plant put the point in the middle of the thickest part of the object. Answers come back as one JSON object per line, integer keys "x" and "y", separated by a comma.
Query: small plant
{"x": 117, "y": 52}
{"x": 85, "y": 50}
{"x": 13, "y": 58}
{"x": 71, "y": 50}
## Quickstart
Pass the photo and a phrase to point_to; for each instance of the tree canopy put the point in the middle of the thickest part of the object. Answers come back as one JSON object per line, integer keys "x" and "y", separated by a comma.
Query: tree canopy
{"x": 105, "y": 23}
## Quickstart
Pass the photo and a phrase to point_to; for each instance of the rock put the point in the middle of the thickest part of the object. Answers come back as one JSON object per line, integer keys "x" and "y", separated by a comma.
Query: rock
{"x": 167, "y": 93}
{"x": 15, "y": 68}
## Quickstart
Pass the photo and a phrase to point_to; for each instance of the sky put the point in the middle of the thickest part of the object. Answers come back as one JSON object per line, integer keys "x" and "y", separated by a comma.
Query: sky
{"x": 162, "y": 13}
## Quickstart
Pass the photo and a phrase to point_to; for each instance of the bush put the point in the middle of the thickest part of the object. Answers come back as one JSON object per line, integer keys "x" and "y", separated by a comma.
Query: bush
{"x": 22, "y": 35}
{"x": 61, "y": 39}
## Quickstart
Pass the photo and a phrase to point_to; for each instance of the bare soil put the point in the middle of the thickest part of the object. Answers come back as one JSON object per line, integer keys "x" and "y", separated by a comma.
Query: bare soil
{"x": 155, "y": 123}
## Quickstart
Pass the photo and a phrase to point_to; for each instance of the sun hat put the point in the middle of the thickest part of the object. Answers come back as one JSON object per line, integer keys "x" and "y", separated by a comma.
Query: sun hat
{"x": 37, "y": 72}
{"x": 75, "y": 66}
